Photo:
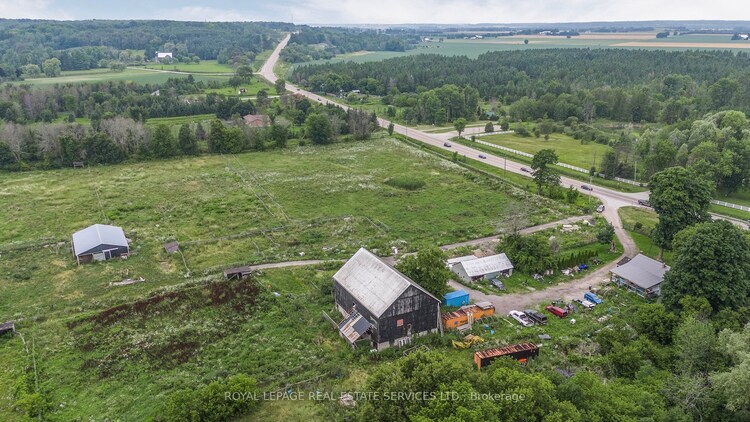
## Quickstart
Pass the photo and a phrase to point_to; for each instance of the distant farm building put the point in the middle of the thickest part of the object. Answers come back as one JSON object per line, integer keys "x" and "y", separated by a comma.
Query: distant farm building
{"x": 99, "y": 242}
{"x": 381, "y": 304}
{"x": 257, "y": 120}
{"x": 470, "y": 268}
{"x": 641, "y": 275}
{"x": 163, "y": 57}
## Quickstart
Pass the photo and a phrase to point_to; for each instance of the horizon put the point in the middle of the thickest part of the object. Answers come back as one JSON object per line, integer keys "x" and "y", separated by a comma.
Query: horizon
{"x": 385, "y": 12}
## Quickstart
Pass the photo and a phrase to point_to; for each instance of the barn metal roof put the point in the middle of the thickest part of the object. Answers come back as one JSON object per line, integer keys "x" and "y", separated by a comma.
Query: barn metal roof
{"x": 487, "y": 265}
{"x": 98, "y": 234}
{"x": 642, "y": 271}
{"x": 372, "y": 282}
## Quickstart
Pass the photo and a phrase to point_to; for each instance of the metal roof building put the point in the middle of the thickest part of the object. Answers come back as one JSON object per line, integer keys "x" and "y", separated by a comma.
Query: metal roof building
{"x": 641, "y": 274}
{"x": 99, "y": 242}
{"x": 396, "y": 307}
{"x": 487, "y": 267}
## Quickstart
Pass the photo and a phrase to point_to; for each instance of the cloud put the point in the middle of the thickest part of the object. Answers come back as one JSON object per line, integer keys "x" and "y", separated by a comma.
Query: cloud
{"x": 32, "y": 9}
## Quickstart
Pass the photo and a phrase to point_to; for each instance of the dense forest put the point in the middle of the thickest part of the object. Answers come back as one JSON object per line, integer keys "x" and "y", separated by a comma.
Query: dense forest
{"x": 311, "y": 43}
{"x": 617, "y": 84}
{"x": 80, "y": 45}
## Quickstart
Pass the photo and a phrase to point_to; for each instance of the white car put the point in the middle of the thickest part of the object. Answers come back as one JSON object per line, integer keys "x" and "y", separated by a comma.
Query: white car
{"x": 522, "y": 318}
{"x": 587, "y": 304}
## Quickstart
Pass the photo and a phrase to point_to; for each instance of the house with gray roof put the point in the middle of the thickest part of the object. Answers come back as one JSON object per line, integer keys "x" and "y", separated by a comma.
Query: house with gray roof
{"x": 99, "y": 242}
{"x": 381, "y": 304}
{"x": 641, "y": 275}
{"x": 487, "y": 267}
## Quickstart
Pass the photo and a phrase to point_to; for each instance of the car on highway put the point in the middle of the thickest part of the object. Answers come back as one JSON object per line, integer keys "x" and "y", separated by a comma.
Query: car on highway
{"x": 600, "y": 208}
{"x": 587, "y": 187}
{"x": 525, "y": 170}
{"x": 521, "y": 317}
{"x": 644, "y": 202}
{"x": 447, "y": 144}
{"x": 482, "y": 156}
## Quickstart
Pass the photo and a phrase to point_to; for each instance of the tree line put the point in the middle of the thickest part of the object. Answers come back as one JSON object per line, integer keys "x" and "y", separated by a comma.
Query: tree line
{"x": 616, "y": 84}
{"x": 82, "y": 44}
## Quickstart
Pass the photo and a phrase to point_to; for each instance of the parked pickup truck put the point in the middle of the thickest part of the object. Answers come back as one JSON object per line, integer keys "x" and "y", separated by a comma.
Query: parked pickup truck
{"x": 537, "y": 317}
{"x": 522, "y": 318}
{"x": 558, "y": 312}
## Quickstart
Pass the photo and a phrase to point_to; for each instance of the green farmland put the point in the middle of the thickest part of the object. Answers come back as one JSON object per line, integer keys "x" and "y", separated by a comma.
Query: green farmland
{"x": 205, "y": 66}
{"x": 103, "y": 75}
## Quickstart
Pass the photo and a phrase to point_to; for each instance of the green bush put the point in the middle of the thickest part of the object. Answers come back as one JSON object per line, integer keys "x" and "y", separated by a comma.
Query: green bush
{"x": 212, "y": 402}
{"x": 405, "y": 182}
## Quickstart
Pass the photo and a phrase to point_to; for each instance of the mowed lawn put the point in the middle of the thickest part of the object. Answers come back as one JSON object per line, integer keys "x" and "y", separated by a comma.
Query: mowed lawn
{"x": 103, "y": 75}
{"x": 301, "y": 203}
{"x": 569, "y": 150}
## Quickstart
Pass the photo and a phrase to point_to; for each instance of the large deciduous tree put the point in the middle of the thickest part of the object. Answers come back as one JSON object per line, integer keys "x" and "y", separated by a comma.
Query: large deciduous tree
{"x": 530, "y": 254}
{"x": 459, "y": 124}
{"x": 319, "y": 128}
{"x": 187, "y": 140}
{"x": 544, "y": 176}
{"x": 680, "y": 198}
{"x": 713, "y": 262}
{"x": 428, "y": 269}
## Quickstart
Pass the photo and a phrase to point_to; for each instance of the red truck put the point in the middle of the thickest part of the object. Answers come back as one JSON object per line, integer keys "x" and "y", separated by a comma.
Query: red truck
{"x": 554, "y": 310}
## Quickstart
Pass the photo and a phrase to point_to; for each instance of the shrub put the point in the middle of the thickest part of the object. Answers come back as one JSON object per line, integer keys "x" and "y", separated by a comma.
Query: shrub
{"x": 405, "y": 182}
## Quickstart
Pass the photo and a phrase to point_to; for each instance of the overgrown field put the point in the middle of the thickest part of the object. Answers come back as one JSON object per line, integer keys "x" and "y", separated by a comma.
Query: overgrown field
{"x": 301, "y": 203}
{"x": 121, "y": 351}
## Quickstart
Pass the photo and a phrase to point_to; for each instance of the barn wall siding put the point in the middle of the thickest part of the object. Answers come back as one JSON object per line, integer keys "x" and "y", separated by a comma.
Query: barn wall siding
{"x": 414, "y": 307}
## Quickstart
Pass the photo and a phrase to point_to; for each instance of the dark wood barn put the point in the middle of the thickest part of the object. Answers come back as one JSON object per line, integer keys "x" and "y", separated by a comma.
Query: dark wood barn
{"x": 395, "y": 308}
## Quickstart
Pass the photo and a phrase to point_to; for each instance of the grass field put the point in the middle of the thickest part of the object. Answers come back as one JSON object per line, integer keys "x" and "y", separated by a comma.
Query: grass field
{"x": 323, "y": 202}
{"x": 648, "y": 219}
{"x": 205, "y": 66}
{"x": 131, "y": 346}
{"x": 252, "y": 89}
{"x": 103, "y": 75}
{"x": 473, "y": 48}
{"x": 569, "y": 150}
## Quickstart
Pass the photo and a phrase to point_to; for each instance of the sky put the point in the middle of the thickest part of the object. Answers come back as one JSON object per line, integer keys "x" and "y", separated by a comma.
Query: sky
{"x": 380, "y": 11}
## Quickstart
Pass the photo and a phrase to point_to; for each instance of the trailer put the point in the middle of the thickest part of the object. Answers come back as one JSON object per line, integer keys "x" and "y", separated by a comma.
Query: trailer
{"x": 467, "y": 315}
{"x": 520, "y": 352}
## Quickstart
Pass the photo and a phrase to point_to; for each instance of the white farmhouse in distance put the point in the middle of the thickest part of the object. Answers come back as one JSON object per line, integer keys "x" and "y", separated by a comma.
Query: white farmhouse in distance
{"x": 163, "y": 57}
